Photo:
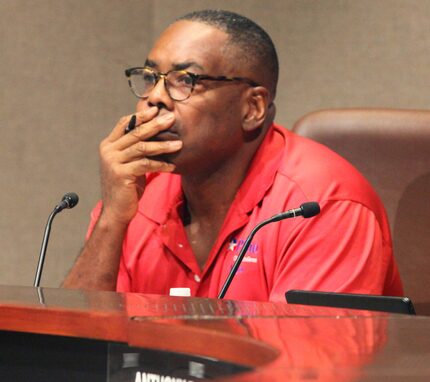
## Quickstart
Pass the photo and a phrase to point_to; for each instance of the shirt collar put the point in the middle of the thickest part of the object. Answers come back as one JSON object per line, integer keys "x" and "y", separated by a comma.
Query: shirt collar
{"x": 163, "y": 193}
{"x": 262, "y": 170}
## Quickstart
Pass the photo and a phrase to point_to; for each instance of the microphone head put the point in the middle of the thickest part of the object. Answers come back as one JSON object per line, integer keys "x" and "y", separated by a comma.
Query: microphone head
{"x": 310, "y": 209}
{"x": 70, "y": 200}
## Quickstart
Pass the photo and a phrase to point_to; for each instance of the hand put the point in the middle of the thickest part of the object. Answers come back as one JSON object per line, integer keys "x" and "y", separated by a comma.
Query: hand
{"x": 125, "y": 159}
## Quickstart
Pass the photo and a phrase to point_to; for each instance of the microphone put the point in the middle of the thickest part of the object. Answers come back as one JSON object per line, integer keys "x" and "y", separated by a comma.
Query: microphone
{"x": 307, "y": 210}
{"x": 69, "y": 200}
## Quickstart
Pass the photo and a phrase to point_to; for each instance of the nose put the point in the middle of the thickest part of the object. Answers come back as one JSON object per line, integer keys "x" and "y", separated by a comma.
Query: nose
{"x": 159, "y": 97}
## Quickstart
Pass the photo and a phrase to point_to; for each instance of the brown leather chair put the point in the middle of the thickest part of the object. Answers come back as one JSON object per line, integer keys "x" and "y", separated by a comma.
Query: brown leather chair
{"x": 391, "y": 148}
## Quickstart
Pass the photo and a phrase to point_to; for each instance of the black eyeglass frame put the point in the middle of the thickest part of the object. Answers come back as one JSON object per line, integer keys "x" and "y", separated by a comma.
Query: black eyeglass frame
{"x": 195, "y": 78}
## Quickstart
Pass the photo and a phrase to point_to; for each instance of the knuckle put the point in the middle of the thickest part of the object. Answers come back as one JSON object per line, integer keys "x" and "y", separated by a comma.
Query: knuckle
{"x": 135, "y": 133}
{"x": 145, "y": 162}
{"x": 102, "y": 151}
{"x": 103, "y": 144}
{"x": 116, "y": 171}
{"x": 123, "y": 120}
{"x": 108, "y": 158}
{"x": 143, "y": 147}
{"x": 139, "y": 131}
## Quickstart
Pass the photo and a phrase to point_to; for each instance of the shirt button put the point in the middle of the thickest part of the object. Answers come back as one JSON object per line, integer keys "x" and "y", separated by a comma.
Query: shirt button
{"x": 197, "y": 278}
{"x": 180, "y": 245}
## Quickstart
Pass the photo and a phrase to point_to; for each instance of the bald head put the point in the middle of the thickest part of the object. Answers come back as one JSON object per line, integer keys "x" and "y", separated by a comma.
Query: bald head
{"x": 250, "y": 46}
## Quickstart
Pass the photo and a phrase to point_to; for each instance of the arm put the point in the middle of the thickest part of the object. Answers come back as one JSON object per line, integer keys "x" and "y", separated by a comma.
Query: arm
{"x": 124, "y": 161}
{"x": 97, "y": 265}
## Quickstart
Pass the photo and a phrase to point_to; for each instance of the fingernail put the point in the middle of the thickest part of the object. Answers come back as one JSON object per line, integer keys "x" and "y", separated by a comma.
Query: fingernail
{"x": 166, "y": 117}
{"x": 169, "y": 167}
{"x": 175, "y": 144}
{"x": 151, "y": 110}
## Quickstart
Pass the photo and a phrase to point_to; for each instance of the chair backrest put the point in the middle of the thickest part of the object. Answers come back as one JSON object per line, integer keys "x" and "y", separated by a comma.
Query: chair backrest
{"x": 391, "y": 148}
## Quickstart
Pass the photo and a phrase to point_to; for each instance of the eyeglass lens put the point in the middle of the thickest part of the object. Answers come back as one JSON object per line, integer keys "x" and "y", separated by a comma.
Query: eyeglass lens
{"x": 179, "y": 84}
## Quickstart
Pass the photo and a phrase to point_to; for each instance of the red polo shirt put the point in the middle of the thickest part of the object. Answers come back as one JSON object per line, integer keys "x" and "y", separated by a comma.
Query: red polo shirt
{"x": 346, "y": 248}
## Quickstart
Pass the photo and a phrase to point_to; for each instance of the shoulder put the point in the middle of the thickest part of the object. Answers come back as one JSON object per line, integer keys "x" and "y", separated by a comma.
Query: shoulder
{"x": 320, "y": 172}
{"x": 317, "y": 173}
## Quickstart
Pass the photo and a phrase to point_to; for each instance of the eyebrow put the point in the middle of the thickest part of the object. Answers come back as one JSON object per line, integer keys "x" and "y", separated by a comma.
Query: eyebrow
{"x": 179, "y": 66}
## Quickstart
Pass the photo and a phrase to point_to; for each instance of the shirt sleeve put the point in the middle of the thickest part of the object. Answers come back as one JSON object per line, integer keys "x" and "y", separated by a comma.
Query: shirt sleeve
{"x": 123, "y": 282}
{"x": 123, "y": 279}
{"x": 340, "y": 250}
{"x": 95, "y": 214}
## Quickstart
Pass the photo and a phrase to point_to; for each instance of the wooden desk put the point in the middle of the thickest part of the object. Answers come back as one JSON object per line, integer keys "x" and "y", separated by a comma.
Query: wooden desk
{"x": 53, "y": 334}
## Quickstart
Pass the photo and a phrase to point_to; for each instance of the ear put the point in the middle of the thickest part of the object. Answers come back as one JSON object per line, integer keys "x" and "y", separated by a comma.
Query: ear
{"x": 255, "y": 108}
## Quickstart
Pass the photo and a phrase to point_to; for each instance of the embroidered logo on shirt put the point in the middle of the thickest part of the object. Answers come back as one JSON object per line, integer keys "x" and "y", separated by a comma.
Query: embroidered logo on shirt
{"x": 232, "y": 245}
{"x": 251, "y": 256}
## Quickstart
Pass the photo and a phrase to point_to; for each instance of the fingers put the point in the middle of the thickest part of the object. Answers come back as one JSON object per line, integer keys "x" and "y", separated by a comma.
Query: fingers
{"x": 126, "y": 158}
{"x": 148, "y": 148}
{"x": 146, "y": 165}
{"x": 141, "y": 117}
{"x": 146, "y": 115}
{"x": 143, "y": 131}
{"x": 135, "y": 145}
{"x": 124, "y": 150}
{"x": 151, "y": 128}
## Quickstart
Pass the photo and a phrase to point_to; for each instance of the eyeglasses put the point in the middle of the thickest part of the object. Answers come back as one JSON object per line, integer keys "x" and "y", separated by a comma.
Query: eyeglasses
{"x": 179, "y": 84}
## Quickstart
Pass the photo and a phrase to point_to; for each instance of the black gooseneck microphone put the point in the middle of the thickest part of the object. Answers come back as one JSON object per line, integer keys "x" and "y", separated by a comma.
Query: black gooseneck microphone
{"x": 307, "y": 210}
{"x": 69, "y": 200}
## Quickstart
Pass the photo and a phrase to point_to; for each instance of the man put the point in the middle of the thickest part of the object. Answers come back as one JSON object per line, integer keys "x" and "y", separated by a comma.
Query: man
{"x": 205, "y": 164}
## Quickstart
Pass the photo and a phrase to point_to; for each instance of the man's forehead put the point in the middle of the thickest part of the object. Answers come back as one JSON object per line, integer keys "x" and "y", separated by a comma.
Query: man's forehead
{"x": 184, "y": 65}
{"x": 188, "y": 44}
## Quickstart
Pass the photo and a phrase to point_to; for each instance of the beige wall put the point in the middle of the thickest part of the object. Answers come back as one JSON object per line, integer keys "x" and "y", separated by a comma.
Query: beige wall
{"x": 62, "y": 89}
